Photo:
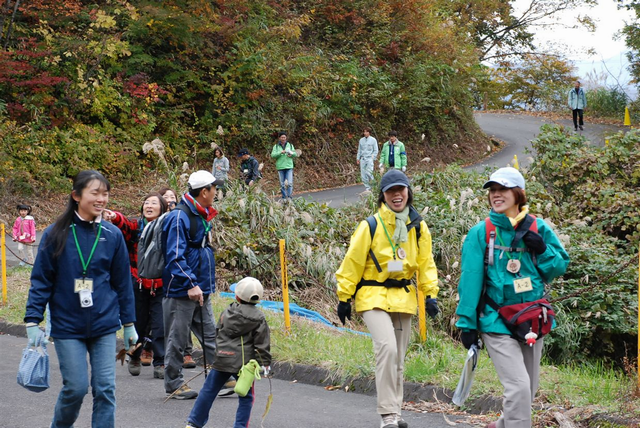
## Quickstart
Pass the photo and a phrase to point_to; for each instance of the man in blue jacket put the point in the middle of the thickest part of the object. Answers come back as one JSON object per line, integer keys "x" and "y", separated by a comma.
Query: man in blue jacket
{"x": 189, "y": 280}
{"x": 577, "y": 103}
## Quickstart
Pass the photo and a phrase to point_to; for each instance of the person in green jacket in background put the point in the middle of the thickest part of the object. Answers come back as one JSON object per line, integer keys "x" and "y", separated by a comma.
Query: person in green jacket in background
{"x": 512, "y": 277}
{"x": 284, "y": 153}
{"x": 393, "y": 154}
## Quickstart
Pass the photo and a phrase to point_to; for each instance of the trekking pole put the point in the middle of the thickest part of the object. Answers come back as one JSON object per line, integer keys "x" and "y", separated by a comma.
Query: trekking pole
{"x": 204, "y": 350}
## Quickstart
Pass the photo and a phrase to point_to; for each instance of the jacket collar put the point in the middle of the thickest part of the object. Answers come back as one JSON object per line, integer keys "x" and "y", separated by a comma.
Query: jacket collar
{"x": 388, "y": 215}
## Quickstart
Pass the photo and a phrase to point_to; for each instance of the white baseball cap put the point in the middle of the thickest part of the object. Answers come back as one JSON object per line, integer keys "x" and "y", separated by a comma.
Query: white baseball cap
{"x": 249, "y": 290}
{"x": 200, "y": 179}
{"x": 508, "y": 177}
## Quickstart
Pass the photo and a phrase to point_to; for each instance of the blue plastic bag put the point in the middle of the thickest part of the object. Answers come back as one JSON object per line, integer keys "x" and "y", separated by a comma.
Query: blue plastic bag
{"x": 33, "y": 372}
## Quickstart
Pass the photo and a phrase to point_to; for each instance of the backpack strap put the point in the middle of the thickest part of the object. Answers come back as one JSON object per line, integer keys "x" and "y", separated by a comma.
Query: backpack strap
{"x": 373, "y": 224}
{"x": 193, "y": 226}
{"x": 528, "y": 223}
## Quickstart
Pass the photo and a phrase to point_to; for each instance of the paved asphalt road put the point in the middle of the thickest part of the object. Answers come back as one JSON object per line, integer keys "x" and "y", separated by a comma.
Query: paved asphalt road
{"x": 140, "y": 402}
{"x": 517, "y": 130}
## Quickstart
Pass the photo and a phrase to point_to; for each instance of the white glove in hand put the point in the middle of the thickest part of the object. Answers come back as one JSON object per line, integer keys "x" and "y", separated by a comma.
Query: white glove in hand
{"x": 266, "y": 370}
{"x": 404, "y": 168}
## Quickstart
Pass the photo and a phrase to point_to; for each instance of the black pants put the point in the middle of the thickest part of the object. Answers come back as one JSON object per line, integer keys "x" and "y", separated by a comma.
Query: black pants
{"x": 577, "y": 112}
{"x": 149, "y": 318}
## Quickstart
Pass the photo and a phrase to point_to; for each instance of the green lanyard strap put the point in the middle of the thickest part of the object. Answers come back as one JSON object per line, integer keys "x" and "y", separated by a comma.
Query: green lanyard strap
{"x": 85, "y": 266}
{"x": 388, "y": 237}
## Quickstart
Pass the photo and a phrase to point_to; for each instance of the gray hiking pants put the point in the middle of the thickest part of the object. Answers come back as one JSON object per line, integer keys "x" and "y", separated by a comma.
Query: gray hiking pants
{"x": 518, "y": 368}
{"x": 181, "y": 317}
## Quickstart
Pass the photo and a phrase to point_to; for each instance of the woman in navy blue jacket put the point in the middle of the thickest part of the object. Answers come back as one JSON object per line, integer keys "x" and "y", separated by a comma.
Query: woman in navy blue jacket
{"x": 82, "y": 272}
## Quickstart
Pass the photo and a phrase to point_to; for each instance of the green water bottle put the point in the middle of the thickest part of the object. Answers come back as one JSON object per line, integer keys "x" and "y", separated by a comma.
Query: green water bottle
{"x": 247, "y": 374}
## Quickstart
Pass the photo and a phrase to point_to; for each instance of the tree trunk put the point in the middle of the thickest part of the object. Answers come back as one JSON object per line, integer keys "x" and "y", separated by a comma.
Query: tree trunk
{"x": 13, "y": 17}
{"x": 3, "y": 12}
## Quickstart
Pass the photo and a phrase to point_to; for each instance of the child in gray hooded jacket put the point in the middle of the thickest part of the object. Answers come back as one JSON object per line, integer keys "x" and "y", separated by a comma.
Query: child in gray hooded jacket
{"x": 242, "y": 334}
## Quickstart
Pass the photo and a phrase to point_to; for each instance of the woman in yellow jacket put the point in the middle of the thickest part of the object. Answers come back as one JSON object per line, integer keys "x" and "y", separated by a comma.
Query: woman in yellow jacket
{"x": 386, "y": 251}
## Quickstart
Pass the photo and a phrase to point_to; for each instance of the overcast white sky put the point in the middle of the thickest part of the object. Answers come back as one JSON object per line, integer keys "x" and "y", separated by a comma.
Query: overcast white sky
{"x": 609, "y": 20}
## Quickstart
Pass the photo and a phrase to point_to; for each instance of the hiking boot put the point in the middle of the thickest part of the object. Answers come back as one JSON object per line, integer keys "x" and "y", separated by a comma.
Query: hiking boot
{"x": 227, "y": 388}
{"x": 188, "y": 362}
{"x": 146, "y": 357}
{"x": 158, "y": 372}
{"x": 389, "y": 421}
{"x": 402, "y": 423}
{"x": 183, "y": 393}
{"x": 134, "y": 366}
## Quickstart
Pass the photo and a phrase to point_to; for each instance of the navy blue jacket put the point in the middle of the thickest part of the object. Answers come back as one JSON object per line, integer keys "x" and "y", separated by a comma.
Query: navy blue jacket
{"x": 53, "y": 282}
{"x": 187, "y": 263}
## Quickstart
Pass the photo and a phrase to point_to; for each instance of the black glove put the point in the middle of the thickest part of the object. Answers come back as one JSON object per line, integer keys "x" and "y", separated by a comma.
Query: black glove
{"x": 344, "y": 311}
{"x": 534, "y": 242}
{"x": 432, "y": 307}
{"x": 469, "y": 338}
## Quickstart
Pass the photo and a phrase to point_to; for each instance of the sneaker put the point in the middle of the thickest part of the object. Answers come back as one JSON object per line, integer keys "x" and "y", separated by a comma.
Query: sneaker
{"x": 190, "y": 426}
{"x": 134, "y": 366}
{"x": 402, "y": 423}
{"x": 183, "y": 393}
{"x": 188, "y": 362}
{"x": 581, "y": 128}
{"x": 146, "y": 357}
{"x": 576, "y": 129}
{"x": 389, "y": 421}
{"x": 227, "y": 388}
{"x": 158, "y": 372}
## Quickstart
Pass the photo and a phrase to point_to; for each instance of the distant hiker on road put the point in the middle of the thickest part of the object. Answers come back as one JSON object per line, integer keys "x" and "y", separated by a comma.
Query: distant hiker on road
{"x": 386, "y": 251}
{"x": 148, "y": 292}
{"x": 577, "y": 103}
{"x": 24, "y": 233}
{"x": 249, "y": 168}
{"x": 507, "y": 259}
{"x": 82, "y": 272}
{"x": 284, "y": 153}
{"x": 393, "y": 154}
{"x": 242, "y": 335}
{"x": 367, "y": 155}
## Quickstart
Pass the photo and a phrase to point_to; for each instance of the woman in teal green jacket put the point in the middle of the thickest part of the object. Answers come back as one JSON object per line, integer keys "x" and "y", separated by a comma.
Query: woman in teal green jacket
{"x": 512, "y": 277}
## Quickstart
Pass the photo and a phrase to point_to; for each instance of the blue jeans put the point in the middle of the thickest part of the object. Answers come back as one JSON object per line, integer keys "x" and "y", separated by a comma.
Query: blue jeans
{"x": 212, "y": 385}
{"x": 286, "y": 175}
{"x": 72, "y": 356}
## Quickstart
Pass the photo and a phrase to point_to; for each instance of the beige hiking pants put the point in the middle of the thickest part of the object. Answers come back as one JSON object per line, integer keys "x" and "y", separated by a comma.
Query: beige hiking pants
{"x": 390, "y": 332}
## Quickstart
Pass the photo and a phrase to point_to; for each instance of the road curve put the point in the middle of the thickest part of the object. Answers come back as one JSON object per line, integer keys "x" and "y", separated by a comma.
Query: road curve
{"x": 516, "y": 130}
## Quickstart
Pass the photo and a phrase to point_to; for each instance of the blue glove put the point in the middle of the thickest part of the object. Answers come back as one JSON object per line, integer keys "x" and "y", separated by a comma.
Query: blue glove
{"x": 130, "y": 337}
{"x": 432, "y": 307}
{"x": 33, "y": 333}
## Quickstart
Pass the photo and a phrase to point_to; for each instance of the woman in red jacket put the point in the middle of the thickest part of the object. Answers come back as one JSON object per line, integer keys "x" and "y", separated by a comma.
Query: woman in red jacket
{"x": 146, "y": 291}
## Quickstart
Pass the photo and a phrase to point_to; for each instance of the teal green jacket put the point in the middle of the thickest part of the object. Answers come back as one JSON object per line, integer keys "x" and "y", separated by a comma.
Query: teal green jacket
{"x": 551, "y": 264}
{"x": 399, "y": 155}
{"x": 284, "y": 160}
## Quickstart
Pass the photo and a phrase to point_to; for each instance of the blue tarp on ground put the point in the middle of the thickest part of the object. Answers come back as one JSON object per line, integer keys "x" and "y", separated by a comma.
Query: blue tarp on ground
{"x": 296, "y": 310}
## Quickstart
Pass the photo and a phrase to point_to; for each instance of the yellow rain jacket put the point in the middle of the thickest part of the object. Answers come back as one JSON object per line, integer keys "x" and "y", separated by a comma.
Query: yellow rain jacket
{"x": 358, "y": 265}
